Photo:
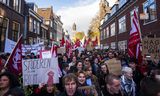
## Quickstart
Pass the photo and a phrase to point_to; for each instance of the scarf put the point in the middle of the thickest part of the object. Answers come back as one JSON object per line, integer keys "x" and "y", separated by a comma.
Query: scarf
{"x": 128, "y": 86}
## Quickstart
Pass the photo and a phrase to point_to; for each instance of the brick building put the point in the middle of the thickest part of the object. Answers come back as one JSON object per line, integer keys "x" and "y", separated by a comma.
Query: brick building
{"x": 11, "y": 20}
{"x": 116, "y": 25}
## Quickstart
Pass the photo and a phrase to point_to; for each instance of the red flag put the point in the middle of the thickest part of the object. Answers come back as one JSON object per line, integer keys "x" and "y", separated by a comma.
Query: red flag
{"x": 134, "y": 46}
{"x": 68, "y": 47}
{"x": 62, "y": 42}
{"x": 87, "y": 42}
{"x": 95, "y": 42}
{"x": 14, "y": 63}
{"x": 77, "y": 44}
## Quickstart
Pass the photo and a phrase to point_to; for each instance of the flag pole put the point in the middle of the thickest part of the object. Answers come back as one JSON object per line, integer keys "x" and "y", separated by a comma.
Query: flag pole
{"x": 12, "y": 52}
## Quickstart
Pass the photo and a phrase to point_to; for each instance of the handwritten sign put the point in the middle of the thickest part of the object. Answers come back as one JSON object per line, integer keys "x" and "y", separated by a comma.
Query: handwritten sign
{"x": 114, "y": 66}
{"x": 151, "y": 46}
{"x": 36, "y": 71}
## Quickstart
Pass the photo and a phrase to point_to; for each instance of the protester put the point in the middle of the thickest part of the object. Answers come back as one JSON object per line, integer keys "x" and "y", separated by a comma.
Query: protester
{"x": 102, "y": 74}
{"x": 92, "y": 80}
{"x": 9, "y": 85}
{"x": 83, "y": 88}
{"x": 74, "y": 60}
{"x": 70, "y": 84}
{"x": 112, "y": 86}
{"x": 128, "y": 86}
{"x": 87, "y": 62}
{"x": 96, "y": 66}
{"x": 45, "y": 90}
{"x": 137, "y": 75}
{"x": 150, "y": 87}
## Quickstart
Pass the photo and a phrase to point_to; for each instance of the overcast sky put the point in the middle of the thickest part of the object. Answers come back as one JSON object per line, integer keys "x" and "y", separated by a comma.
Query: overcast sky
{"x": 79, "y": 11}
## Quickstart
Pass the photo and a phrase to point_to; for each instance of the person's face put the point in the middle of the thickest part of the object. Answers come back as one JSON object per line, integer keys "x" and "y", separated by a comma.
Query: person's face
{"x": 129, "y": 75}
{"x": 64, "y": 58}
{"x": 70, "y": 87}
{"x": 74, "y": 59}
{"x": 87, "y": 62}
{"x": 96, "y": 60}
{"x": 49, "y": 88}
{"x": 115, "y": 87}
{"x": 79, "y": 66}
{"x": 81, "y": 78}
{"x": 104, "y": 68}
{"x": 4, "y": 82}
{"x": 132, "y": 65}
{"x": 110, "y": 55}
{"x": 89, "y": 71}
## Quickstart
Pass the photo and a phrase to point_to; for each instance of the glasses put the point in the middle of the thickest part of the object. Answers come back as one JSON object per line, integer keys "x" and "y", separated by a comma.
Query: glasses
{"x": 86, "y": 60}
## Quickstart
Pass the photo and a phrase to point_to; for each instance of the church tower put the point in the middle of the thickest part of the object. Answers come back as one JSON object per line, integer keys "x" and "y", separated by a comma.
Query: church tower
{"x": 103, "y": 8}
{"x": 74, "y": 27}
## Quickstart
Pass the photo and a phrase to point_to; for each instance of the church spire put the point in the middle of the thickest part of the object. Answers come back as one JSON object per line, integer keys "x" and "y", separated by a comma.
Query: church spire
{"x": 74, "y": 27}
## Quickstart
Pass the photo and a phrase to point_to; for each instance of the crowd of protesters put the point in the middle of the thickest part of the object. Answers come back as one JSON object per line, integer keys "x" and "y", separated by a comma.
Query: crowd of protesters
{"x": 86, "y": 73}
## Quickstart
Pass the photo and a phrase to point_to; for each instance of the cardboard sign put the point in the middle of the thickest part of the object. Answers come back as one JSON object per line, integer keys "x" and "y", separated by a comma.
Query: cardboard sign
{"x": 151, "y": 47}
{"x": 36, "y": 71}
{"x": 45, "y": 54}
{"x": 114, "y": 66}
{"x": 61, "y": 50}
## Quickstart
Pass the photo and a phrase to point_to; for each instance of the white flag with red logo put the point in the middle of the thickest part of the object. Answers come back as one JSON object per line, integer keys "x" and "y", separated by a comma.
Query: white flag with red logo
{"x": 134, "y": 46}
{"x": 14, "y": 63}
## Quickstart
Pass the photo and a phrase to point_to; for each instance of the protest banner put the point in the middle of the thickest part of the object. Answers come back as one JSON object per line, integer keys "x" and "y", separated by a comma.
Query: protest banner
{"x": 9, "y": 45}
{"x": 36, "y": 71}
{"x": 114, "y": 66}
{"x": 151, "y": 47}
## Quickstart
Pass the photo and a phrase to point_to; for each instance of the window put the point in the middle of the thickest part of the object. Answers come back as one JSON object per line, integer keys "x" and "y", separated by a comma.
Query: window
{"x": 35, "y": 25}
{"x": 107, "y": 32}
{"x": 113, "y": 10}
{"x": 44, "y": 33}
{"x": 104, "y": 33}
{"x": 17, "y": 5}
{"x": 51, "y": 24}
{"x": 113, "y": 45}
{"x": 15, "y": 31}
{"x": 122, "y": 24}
{"x": 122, "y": 45}
{"x": 30, "y": 40}
{"x": 51, "y": 36}
{"x": 47, "y": 22}
{"x": 113, "y": 29}
{"x": 149, "y": 7}
{"x": 3, "y": 29}
{"x": 30, "y": 24}
{"x": 122, "y": 2}
{"x": 38, "y": 28}
{"x": 5, "y": 2}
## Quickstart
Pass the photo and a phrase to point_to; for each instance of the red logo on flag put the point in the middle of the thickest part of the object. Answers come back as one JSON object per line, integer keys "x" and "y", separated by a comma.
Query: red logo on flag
{"x": 14, "y": 63}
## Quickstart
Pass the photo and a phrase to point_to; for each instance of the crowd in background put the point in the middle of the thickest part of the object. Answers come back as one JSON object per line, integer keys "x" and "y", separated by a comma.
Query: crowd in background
{"x": 86, "y": 74}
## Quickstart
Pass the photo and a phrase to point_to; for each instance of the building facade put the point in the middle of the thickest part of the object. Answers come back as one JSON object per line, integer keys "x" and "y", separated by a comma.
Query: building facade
{"x": 58, "y": 28}
{"x": 33, "y": 24}
{"x": 117, "y": 25}
{"x": 48, "y": 17}
{"x": 11, "y": 20}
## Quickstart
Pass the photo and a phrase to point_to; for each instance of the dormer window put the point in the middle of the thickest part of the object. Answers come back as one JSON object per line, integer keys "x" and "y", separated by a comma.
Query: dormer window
{"x": 113, "y": 10}
{"x": 17, "y": 5}
{"x": 122, "y": 2}
{"x": 5, "y": 2}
